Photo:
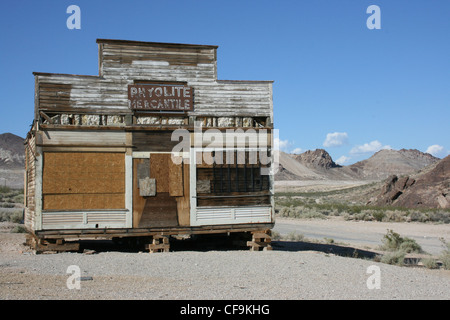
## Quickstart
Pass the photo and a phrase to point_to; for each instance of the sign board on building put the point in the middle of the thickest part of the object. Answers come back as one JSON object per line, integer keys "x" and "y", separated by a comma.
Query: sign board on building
{"x": 156, "y": 97}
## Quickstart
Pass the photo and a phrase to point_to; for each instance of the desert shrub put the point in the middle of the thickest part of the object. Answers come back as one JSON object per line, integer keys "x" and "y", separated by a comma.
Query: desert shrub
{"x": 445, "y": 258}
{"x": 7, "y": 204}
{"x": 430, "y": 263}
{"x": 409, "y": 245}
{"x": 310, "y": 214}
{"x": 18, "y": 198}
{"x": 346, "y": 216}
{"x": 275, "y": 235}
{"x": 394, "y": 216}
{"x": 4, "y": 189}
{"x": 394, "y": 257}
{"x": 4, "y": 216}
{"x": 378, "y": 215}
{"x": 418, "y": 216}
{"x": 392, "y": 241}
{"x": 294, "y": 236}
{"x": 445, "y": 255}
{"x": 440, "y": 216}
{"x": 364, "y": 216}
{"x": 302, "y": 212}
{"x": 18, "y": 229}
{"x": 284, "y": 212}
{"x": 15, "y": 216}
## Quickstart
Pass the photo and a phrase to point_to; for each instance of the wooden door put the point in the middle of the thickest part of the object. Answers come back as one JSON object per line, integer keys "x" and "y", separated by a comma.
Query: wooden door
{"x": 168, "y": 206}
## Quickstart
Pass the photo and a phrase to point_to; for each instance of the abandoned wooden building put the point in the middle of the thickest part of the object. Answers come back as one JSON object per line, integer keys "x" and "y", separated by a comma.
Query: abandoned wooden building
{"x": 139, "y": 150}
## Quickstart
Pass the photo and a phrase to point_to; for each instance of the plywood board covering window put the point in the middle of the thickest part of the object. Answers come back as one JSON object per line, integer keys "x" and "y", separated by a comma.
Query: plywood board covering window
{"x": 83, "y": 181}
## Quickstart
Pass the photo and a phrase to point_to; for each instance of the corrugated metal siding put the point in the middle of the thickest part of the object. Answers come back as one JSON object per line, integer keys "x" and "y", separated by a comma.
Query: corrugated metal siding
{"x": 254, "y": 213}
{"x": 55, "y": 218}
{"x": 214, "y": 214}
{"x": 83, "y": 220}
{"x": 105, "y": 217}
{"x": 232, "y": 215}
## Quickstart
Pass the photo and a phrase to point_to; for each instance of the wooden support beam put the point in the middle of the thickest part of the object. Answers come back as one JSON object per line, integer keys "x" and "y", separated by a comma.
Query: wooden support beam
{"x": 58, "y": 245}
{"x": 160, "y": 244}
{"x": 260, "y": 240}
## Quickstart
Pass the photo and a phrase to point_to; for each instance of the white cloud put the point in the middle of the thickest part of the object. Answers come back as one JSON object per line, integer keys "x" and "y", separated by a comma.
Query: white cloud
{"x": 370, "y": 147}
{"x": 286, "y": 145}
{"x": 343, "y": 160}
{"x": 283, "y": 145}
{"x": 335, "y": 139}
{"x": 436, "y": 150}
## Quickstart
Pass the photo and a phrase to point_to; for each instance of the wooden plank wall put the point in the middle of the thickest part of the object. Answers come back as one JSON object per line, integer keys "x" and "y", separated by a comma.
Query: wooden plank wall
{"x": 155, "y": 141}
{"x": 183, "y": 202}
{"x": 179, "y": 62}
{"x": 82, "y": 138}
{"x": 30, "y": 182}
{"x": 122, "y": 63}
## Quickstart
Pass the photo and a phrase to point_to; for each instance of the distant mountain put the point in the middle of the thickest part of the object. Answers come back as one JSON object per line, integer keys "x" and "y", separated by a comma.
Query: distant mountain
{"x": 318, "y": 165}
{"x": 12, "y": 152}
{"x": 428, "y": 188}
{"x": 389, "y": 162}
{"x": 12, "y": 160}
{"x": 291, "y": 169}
{"x": 317, "y": 159}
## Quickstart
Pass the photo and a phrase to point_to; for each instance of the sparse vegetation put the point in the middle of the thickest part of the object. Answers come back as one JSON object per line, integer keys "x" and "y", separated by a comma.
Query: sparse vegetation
{"x": 316, "y": 205}
{"x": 397, "y": 247}
{"x": 396, "y": 258}
{"x": 11, "y": 204}
{"x": 430, "y": 263}
{"x": 445, "y": 255}
{"x": 11, "y": 216}
{"x": 392, "y": 241}
{"x": 19, "y": 229}
{"x": 294, "y": 236}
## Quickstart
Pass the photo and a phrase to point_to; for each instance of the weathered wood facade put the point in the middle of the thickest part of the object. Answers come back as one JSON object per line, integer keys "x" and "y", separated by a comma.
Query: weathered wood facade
{"x": 101, "y": 165}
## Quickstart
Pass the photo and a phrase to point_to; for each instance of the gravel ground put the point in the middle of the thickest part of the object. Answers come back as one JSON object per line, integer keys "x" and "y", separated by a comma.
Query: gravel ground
{"x": 199, "y": 275}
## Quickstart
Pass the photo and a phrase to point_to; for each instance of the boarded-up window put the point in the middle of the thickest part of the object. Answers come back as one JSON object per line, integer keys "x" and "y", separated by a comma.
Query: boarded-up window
{"x": 83, "y": 181}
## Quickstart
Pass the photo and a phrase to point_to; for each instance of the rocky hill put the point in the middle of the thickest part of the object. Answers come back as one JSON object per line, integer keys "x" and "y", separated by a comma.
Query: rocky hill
{"x": 12, "y": 160}
{"x": 392, "y": 162}
{"x": 12, "y": 152}
{"x": 317, "y": 159}
{"x": 429, "y": 188}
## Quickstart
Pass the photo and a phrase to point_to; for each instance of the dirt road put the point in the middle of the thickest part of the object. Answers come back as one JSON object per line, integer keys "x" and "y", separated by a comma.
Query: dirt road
{"x": 366, "y": 233}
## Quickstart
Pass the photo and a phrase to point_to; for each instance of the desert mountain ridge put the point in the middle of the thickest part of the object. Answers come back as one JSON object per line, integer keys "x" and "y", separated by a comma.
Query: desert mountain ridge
{"x": 12, "y": 160}
{"x": 318, "y": 165}
{"x": 12, "y": 153}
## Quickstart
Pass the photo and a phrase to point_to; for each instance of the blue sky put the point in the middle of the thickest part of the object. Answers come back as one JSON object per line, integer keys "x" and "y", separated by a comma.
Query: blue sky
{"x": 338, "y": 85}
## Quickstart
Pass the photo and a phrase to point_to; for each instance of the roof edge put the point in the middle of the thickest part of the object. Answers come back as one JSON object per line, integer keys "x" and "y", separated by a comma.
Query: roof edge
{"x": 159, "y": 44}
{"x": 35, "y": 73}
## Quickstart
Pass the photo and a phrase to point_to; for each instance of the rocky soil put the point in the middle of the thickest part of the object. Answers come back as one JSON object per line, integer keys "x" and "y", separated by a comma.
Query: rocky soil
{"x": 290, "y": 271}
